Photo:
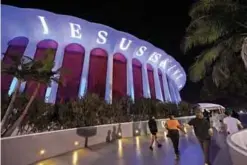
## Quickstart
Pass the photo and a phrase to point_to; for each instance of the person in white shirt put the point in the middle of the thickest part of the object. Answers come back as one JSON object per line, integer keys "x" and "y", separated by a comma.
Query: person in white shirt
{"x": 232, "y": 125}
{"x": 215, "y": 121}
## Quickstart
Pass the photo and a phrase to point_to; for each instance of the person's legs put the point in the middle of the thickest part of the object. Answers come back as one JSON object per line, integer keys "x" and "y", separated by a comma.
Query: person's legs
{"x": 152, "y": 140}
{"x": 174, "y": 135}
{"x": 201, "y": 143}
{"x": 156, "y": 140}
{"x": 206, "y": 145}
{"x": 176, "y": 143}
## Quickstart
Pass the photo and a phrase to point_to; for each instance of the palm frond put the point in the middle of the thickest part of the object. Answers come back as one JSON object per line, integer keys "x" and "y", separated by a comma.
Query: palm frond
{"x": 216, "y": 19}
{"x": 244, "y": 52}
{"x": 62, "y": 71}
{"x": 202, "y": 36}
{"x": 8, "y": 71}
{"x": 15, "y": 59}
{"x": 211, "y": 6}
{"x": 220, "y": 26}
{"x": 234, "y": 42}
{"x": 58, "y": 81}
{"x": 220, "y": 73}
{"x": 198, "y": 70}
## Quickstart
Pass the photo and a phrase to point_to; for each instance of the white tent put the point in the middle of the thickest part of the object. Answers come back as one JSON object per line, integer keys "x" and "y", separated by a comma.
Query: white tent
{"x": 210, "y": 106}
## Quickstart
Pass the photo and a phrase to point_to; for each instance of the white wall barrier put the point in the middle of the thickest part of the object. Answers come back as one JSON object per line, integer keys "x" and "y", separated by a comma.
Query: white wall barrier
{"x": 27, "y": 149}
{"x": 237, "y": 144}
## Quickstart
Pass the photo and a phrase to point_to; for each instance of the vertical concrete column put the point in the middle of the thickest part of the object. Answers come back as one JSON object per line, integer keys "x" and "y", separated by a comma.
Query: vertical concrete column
{"x": 166, "y": 88}
{"x": 158, "y": 90}
{"x": 84, "y": 76}
{"x": 172, "y": 91}
{"x": 109, "y": 79}
{"x": 177, "y": 93}
{"x": 130, "y": 82}
{"x": 146, "y": 87}
{"x": 51, "y": 92}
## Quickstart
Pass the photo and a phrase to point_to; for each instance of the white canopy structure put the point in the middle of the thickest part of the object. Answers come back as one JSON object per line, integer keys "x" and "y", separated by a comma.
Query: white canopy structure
{"x": 210, "y": 106}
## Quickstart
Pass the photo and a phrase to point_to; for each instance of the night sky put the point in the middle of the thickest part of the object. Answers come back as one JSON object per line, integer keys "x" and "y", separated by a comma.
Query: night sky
{"x": 161, "y": 23}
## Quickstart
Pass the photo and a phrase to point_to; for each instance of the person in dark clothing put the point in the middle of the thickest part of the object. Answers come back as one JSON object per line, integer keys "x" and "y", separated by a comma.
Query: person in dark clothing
{"x": 203, "y": 132}
{"x": 235, "y": 114}
{"x": 153, "y": 129}
{"x": 206, "y": 115}
{"x": 173, "y": 127}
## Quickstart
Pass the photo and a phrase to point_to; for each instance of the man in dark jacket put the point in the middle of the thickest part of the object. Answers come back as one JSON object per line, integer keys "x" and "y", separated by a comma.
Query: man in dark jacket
{"x": 153, "y": 129}
{"x": 203, "y": 132}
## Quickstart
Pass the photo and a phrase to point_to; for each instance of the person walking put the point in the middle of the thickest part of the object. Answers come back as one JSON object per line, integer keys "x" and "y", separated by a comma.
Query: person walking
{"x": 235, "y": 114}
{"x": 215, "y": 121}
{"x": 173, "y": 126}
{"x": 206, "y": 114}
{"x": 231, "y": 124}
{"x": 153, "y": 129}
{"x": 203, "y": 132}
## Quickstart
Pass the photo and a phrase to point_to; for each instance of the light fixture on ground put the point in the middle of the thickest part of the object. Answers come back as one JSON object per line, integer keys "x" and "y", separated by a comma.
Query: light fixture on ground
{"x": 119, "y": 135}
{"x": 137, "y": 132}
{"x": 76, "y": 143}
{"x": 42, "y": 152}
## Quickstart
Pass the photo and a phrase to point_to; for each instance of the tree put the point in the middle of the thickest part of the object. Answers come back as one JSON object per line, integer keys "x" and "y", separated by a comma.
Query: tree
{"x": 142, "y": 109}
{"x": 41, "y": 72}
{"x": 220, "y": 27}
{"x": 232, "y": 91}
{"x": 184, "y": 108}
{"x": 87, "y": 111}
{"x": 18, "y": 67}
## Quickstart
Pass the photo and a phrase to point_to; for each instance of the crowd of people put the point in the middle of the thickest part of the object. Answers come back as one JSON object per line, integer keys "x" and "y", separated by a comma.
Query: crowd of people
{"x": 204, "y": 125}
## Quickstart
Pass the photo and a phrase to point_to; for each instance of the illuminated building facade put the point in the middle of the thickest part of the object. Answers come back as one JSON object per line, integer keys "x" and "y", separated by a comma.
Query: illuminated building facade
{"x": 100, "y": 59}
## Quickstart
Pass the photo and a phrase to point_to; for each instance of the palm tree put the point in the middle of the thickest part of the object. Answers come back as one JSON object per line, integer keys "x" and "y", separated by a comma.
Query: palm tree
{"x": 220, "y": 27}
{"x": 41, "y": 72}
{"x": 235, "y": 89}
{"x": 18, "y": 68}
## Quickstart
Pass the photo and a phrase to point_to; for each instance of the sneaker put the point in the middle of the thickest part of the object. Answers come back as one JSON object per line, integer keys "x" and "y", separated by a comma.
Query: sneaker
{"x": 151, "y": 148}
{"x": 159, "y": 145}
{"x": 177, "y": 157}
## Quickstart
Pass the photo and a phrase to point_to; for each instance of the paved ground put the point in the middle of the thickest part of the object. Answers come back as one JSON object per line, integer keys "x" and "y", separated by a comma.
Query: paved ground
{"x": 135, "y": 151}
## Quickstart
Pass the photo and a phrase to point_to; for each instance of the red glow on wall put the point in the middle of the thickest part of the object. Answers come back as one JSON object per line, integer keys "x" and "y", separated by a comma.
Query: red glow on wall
{"x": 119, "y": 76}
{"x": 137, "y": 78}
{"x": 7, "y": 79}
{"x": 151, "y": 81}
{"x": 97, "y": 72}
{"x": 72, "y": 65}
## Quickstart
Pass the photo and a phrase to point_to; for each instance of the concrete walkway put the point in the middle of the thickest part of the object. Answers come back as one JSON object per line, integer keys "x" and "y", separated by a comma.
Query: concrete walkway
{"x": 135, "y": 151}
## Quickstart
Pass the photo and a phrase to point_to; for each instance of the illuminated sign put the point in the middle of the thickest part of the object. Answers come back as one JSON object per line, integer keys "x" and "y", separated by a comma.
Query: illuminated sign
{"x": 76, "y": 32}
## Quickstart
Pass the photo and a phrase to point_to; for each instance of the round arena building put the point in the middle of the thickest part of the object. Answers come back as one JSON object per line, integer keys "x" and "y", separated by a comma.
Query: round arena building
{"x": 100, "y": 59}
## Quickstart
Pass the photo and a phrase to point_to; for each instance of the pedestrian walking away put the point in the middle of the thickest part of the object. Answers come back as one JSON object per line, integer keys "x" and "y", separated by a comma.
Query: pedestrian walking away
{"x": 173, "y": 126}
{"x": 153, "y": 129}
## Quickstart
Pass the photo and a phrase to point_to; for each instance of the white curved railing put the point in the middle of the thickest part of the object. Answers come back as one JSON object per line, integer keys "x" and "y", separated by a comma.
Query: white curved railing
{"x": 27, "y": 149}
{"x": 238, "y": 147}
